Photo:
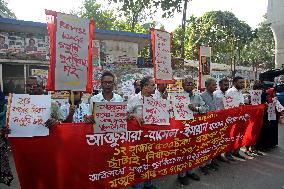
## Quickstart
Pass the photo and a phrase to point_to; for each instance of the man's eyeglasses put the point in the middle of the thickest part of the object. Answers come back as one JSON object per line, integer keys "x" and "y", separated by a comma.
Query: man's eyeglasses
{"x": 108, "y": 83}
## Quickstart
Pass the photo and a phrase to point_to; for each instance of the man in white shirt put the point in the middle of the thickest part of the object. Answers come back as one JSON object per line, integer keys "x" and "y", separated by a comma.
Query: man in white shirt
{"x": 197, "y": 106}
{"x": 137, "y": 87}
{"x": 135, "y": 103}
{"x": 161, "y": 91}
{"x": 220, "y": 94}
{"x": 236, "y": 92}
{"x": 135, "y": 111}
{"x": 76, "y": 113}
{"x": 107, "y": 94}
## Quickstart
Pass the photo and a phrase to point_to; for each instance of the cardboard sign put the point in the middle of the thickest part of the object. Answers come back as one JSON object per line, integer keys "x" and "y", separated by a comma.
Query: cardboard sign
{"x": 271, "y": 110}
{"x": 27, "y": 115}
{"x": 230, "y": 102}
{"x": 110, "y": 117}
{"x": 161, "y": 46}
{"x": 70, "y": 52}
{"x": 180, "y": 102}
{"x": 156, "y": 111}
{"x": 255, "y": 97}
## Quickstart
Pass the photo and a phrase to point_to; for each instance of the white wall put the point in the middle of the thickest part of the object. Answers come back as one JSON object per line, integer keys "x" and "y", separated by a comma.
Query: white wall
{"x": 275, "y": 13}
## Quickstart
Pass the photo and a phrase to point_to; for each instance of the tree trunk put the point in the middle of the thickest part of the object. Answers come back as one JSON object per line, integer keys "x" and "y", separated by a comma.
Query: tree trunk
{"x": 183, "y": 25}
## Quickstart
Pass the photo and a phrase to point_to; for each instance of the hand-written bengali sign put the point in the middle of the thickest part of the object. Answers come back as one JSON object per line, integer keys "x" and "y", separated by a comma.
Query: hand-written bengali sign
{"x": 156, "y": 111}
{"x": 118, "y": 160}
{"x": 255, "y": 97}
{"x": 271, "y": 110}
{"x": 230, "y": 102}
{"x": 110, "y": 117}
{"x": 180, "y": 102}
{"x": 72, "y": 40}
{"x": 27, "y": 115}
{"x": 162, "y": 55}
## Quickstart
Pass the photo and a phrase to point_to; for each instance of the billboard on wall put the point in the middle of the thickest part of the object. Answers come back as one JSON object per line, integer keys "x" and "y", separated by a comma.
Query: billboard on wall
{"x": 23, "y": 46}
{"x": 118, "y": 54}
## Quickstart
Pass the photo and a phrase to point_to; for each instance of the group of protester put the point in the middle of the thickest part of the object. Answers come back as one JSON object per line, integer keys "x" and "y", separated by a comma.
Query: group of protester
{"x": 210, "y": 100}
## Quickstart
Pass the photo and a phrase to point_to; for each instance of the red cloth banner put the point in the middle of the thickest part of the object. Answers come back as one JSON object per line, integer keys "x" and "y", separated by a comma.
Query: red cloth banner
{"x": 73, "y": 157}
{"x": 71, "y": 56}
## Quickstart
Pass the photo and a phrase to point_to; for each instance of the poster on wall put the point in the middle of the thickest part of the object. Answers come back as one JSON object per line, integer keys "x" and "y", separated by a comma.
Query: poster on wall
{"x": 119, "y": 54}
{"x": 4, "y": 44}
{"x": 35, "y": 46}
{"x": 71, "y": 47}
{"x": 96, "y": 53}
{"x": 16, "y": 43}
{"x": 204, "y": 65}
{"x": 161, "y": 47}
{"x": 97, "y": 73}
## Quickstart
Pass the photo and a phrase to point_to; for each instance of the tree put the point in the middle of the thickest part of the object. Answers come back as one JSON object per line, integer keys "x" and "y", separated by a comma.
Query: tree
{"x": 260, "y": 51}
{"x": 135, "y": 11}
{"x": 4, "y": 9}
{"x": 220, "y": 30}
{"x": 105, "y": 19}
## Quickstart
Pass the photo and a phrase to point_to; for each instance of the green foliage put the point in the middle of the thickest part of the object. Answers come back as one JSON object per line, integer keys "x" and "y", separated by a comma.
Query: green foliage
{"x": 5, "y": 9}
{"x": 220, "y": 30}
{"x": 105, "y": 19}
{"x": 261, "y": 49}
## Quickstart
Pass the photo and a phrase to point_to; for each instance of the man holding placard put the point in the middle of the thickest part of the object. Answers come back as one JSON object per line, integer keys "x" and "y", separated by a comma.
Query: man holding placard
{"x": 135, "y": 103}
{"x": 135, "y": 111}
{"x": 197, "y": 105}
{"x": 107, "y": 94}
{"x": 75, "y": 111}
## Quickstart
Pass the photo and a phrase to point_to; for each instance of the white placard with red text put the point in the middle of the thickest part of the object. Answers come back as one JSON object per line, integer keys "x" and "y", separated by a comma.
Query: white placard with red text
{"x": 156, "y": 111}
{"x": 110, "y": 117}
{"x": 28, "y": 114}
{"x": 255, "y": 97}
{"x": 162, "y": 55}
{"x": 180, "y": 102}
{"x": 230, "y": 102}
{"x": 271, "y": 110}
{"x": 72, "y": 40}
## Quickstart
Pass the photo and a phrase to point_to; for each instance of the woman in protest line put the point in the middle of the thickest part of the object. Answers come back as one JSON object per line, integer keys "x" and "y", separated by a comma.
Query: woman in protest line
{"x": 268, "y": 138}
{"x": 6, "y": 176}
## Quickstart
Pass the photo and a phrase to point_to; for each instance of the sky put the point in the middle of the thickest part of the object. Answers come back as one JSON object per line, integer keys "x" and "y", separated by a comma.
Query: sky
{"x": 250, "y": 11}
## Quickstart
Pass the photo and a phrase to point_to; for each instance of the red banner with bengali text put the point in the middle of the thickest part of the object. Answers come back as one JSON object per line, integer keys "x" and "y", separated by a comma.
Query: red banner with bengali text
{"x": 73, "y": 157}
